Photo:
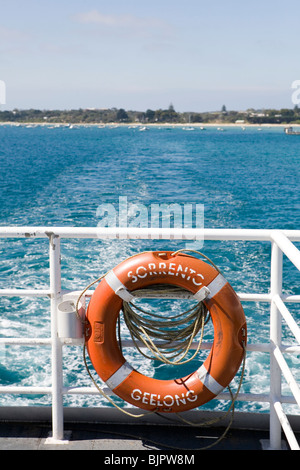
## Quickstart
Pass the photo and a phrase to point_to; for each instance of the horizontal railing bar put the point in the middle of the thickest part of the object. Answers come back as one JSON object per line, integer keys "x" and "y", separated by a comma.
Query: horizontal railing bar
{"x": 254, "y": 297}
{"x": 244, "y": 297}
{"x": 221, "y": 396}
{"x": 31, "y": 390}
{"x": 256, "y": 347}
{"x": 86, "y": 391}
{"x": 26, "y": 341}
{"x": 295, "y": 348}
{"x": 16, "y": 390}
{"x": 194, "y": 345}
{"x": 206, "y": 345}
{"x": 25, "y": 292}
{"x": 291, "y": 298}
{"x": 145, "y": 233}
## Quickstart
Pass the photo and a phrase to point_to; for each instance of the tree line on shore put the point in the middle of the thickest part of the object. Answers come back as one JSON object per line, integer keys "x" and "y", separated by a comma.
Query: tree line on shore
{"x": 169, "y": 115}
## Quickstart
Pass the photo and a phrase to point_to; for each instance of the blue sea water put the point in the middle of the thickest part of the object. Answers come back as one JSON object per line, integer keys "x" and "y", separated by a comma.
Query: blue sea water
{"x": 60, "y": 176}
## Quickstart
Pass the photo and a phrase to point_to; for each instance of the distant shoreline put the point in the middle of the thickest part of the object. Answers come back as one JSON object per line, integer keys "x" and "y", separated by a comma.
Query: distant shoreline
{"x": 142, "y": 124}
{"x": 159, "y": 117}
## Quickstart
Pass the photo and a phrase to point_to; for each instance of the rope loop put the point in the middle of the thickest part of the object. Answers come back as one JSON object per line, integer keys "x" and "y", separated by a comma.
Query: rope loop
{"x": 174, "y": 335}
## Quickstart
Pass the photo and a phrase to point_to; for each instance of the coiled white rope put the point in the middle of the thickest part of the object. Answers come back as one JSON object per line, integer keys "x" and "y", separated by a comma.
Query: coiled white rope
{"x": 169, "y": 332}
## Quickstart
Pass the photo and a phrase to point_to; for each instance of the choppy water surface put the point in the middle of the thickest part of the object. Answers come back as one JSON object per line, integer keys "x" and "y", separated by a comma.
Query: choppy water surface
{"x": 60, "y": 176}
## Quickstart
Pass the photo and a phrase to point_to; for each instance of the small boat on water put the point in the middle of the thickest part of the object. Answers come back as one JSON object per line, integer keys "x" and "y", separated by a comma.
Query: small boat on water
{"x": 290, "y": 131}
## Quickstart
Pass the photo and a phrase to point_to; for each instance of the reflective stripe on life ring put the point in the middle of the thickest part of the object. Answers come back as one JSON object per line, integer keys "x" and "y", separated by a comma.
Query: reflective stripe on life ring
{"x": 205, "y": 283}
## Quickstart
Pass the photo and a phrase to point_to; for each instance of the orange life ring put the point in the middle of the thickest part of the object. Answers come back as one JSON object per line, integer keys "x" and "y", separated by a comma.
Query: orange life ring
{"x": 194, "y": 275}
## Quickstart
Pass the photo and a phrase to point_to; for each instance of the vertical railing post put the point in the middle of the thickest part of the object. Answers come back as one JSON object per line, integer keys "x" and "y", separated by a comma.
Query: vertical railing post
{"x": 56, "y": 356}
{"x": 275, "y": 339}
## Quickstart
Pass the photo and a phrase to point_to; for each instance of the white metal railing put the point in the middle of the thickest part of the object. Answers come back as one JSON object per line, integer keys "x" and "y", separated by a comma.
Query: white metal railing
{"x": 281, "y": 242}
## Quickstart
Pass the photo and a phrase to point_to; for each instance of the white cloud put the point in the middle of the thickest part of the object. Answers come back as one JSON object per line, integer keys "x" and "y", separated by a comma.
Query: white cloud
{"x": 131, "y": 24}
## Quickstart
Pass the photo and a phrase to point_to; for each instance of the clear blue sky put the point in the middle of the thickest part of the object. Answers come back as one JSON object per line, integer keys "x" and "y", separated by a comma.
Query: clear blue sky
{"x": 135, "y": 54}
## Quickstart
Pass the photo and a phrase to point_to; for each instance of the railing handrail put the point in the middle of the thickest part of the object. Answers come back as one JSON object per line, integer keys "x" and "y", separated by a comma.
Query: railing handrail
{"x": 145, "y": 233}
{"x": 281, "y": 242}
